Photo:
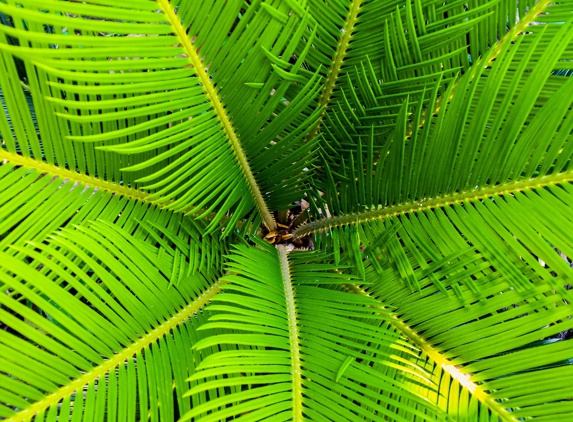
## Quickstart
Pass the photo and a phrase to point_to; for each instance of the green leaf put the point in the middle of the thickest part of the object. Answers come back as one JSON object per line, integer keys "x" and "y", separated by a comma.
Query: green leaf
{"x": 90, "y": 309}
{"x": 304, "y": 336}
{"x": 164, "y": 111}
{"x": 147, "y": 147}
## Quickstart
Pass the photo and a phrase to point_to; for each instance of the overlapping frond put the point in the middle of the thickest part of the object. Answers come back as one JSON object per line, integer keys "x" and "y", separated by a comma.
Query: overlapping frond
{"x": 454, "y": 392}
{"x": 440, "y": 200}
{"x": 504, "y": 338}
{"x": 96, "y": 327}
{"x": 33, "y": 203}
{"x": 461, "y": 220}
{"x": 172, "y": 91}
{"x": 375, "y": 54}
{"x": 505, "y": 129}
{"x": 318, "y": 353}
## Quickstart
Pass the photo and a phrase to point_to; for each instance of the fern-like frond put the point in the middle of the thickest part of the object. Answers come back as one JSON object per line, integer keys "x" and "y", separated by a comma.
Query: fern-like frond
{"x": 460, "y": 223}
{"x": 34, "y": 203}
{"x": 505, "y": 112}
{"x": 95, "y": 327}
{"x": 189, "y": 101}
{"x": 144, "y": 143}
{"x": 316, "y": 350}
{"x": 455, "y": 392}
{"x": 506, "y": 347}
{"x": 375, "y": 54}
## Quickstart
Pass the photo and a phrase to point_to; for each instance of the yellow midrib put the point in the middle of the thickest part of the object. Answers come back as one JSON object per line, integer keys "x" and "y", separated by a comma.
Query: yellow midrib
{"x": 93, "y": 182}
{"x": 463, "y": 379}
{"x": 73, "y": 176}
{"x": 337, "y": 60}
{"x": 293, "y": 335}
{"x": 517, "y": 29}
{"x": 493, "y": 54}
{"x": 219, "y": 109}
{"x": 118, "y": 359}
{"x": 437, "y": 202}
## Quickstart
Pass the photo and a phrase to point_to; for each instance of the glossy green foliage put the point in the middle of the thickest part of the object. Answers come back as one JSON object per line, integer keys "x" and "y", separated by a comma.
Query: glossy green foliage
{"x": 319, "y": 210}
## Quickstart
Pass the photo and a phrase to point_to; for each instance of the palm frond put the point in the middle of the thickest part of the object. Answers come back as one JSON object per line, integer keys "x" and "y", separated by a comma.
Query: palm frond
{"x": 454, "y": 391}
{"x": 166, "y": 102}
{"x": 315, "y": 349}
{"x": 460, "y": 225}
{"x": 434, "y": 168}
{"x": 386, "y": 51}
{"x": 507, "y": 347}
{"x": 35, "y": 203}
{"x": 144, "y": 145}
{"x": 98, "y": 310}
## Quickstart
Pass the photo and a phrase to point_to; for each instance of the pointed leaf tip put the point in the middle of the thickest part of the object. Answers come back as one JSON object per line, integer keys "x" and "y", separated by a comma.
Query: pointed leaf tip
{"x": 347, "y": 362}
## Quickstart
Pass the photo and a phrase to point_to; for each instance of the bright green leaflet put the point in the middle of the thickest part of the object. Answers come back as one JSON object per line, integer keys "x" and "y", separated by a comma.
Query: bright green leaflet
{"x": 421, "y": 150}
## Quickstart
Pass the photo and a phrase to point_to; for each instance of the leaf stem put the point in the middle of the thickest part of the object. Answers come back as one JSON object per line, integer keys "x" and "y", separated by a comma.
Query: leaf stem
{"x": 293, "y": 335}
{"x": 494, "y": 52}
{"x": 119, "y": 358}
{"x": 213, "y": 96}
{"x": 437, "y": 202}
{"x": 88, "y": 181}
{"x": 462, "y": 378}
{"x": 53, "y": 170}
{"x": 337, "y": 60}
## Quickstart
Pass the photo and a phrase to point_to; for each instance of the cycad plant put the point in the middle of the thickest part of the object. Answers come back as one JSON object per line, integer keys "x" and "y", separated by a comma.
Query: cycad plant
{"x": 329, "y": 210}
